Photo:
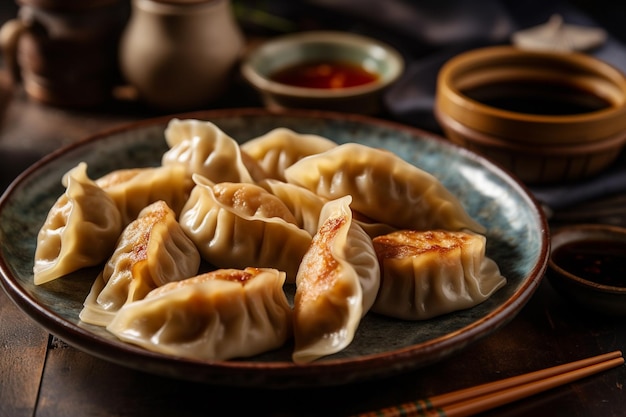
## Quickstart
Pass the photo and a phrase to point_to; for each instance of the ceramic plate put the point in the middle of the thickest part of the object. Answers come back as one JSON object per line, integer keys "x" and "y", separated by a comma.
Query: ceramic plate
{"x": 517, "y": 240}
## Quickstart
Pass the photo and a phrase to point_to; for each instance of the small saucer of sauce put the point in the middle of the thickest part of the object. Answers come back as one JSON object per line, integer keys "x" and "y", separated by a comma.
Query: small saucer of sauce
{"x": 599, "y": 261}
{"x": 329, "y": 74}
{"x": 324, "y": 70}
{"x": 587, "y": 265}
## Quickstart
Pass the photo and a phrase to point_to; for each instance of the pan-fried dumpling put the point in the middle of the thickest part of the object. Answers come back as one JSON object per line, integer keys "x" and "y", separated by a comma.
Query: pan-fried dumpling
{"x": 133, "y": 189}
{"x": 282, "y": 147}
{"x": 429, "y": 273}
{"x": 236, "y": 225}
{"x": 152, "y": 251}
{"x": 336, "y": 284}
{"x": 305, "y": 205}
{"x": 80, "y": 229}
{"x": 384, "y": 187}
{"x": 219, "y": 315}
{"x": 204, "y": 149}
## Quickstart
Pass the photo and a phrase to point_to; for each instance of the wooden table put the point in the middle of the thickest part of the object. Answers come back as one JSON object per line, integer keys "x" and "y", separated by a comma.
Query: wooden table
{"x": 41, "y": 376}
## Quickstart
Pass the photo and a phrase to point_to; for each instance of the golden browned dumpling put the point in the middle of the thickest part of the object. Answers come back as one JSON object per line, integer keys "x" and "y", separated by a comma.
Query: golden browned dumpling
{"x": 337, "y": 283}
{"x": 152, "y": 251}
{"x": 429, "y": 273}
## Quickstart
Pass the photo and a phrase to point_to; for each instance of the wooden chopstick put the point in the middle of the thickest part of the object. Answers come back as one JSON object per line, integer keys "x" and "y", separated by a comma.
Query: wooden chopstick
{"x": 473, "y": 400}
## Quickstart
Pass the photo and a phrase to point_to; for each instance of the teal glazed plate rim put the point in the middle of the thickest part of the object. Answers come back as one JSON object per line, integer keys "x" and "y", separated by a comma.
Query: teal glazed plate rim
{"x": 517, "y": 236}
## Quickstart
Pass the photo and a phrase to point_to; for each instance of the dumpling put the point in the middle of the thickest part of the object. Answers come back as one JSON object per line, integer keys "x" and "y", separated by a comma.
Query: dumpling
{"x": 236, "y": 225}
{"x": 336, "y": 284}
{"x": 203, "y": 148}
{"x": 218, "y": 315}
{"x": 152, "y": 251}
{"x": 282, "y": 147}
{"x": 133, "y": 189}
{"x": 429, "y": 273}
{"x": 384, "y": 188}
{"x": 80, "y": 229}
{"x": 305, "y": 205}
{"x": 371, "y": 227}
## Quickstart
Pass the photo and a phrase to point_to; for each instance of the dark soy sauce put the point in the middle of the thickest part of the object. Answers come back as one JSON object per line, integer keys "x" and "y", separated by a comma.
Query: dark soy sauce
{"x": 600, "y": 261}
{"x": 542, "y": 98}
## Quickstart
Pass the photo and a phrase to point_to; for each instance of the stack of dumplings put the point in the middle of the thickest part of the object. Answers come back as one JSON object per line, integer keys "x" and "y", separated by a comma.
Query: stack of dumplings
{"x": 197, "y": 253}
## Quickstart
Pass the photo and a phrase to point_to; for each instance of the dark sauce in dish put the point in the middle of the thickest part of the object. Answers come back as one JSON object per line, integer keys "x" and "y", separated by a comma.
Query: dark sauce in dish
{"x": 533, "y": 97}
{"x": 324, "y": 74}
{"x": 600, "y": 261}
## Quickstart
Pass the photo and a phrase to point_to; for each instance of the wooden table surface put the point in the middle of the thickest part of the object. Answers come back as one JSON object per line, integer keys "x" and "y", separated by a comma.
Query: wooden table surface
{"x": 41, "y": 376}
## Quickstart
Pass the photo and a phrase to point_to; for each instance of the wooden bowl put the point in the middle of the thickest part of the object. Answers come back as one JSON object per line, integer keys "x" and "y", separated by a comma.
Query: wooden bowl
{"x": 537, "y": 164}
{"x": 546, "y": 117}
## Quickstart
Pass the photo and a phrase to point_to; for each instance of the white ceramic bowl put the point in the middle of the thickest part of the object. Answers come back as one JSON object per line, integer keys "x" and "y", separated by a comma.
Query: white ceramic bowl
{"x": 262, "y": 62}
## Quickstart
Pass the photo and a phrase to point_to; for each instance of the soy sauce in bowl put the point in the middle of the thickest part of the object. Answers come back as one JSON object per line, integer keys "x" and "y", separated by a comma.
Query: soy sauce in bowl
{"x": 537, "y": 97}
{"x": 587, "y": 266}
{"x": 600, "y": 261}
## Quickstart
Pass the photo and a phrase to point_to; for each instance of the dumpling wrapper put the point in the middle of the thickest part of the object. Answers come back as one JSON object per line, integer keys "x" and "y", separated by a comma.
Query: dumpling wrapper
{"x": 304, "y": 204}
{"x": 133, "y": 189}
{"x": 384, "y": 188}
{"x": 219, "y": 315}
{"x": 429, "y": 273}
{"x": 152, "y": 251}
{"x": 204, "y": 149}
{"x": 80, "y": 229}
{"x": 280, "y": 148}
{"x": 236, "y": 225}
{"x": 336, "y": 284}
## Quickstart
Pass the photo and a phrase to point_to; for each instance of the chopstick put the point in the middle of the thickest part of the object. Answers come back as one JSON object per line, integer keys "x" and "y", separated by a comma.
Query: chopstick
{"x": 473, "y": 400}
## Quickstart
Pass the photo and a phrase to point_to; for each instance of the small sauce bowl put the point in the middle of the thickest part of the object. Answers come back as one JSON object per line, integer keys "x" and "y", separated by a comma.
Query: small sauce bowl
{"x": 354, "y": 56}
{"x": 587, "y": 266}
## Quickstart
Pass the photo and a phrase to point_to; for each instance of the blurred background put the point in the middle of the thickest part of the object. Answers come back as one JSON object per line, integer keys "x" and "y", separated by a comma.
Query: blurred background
{"x": 426, "y": 33}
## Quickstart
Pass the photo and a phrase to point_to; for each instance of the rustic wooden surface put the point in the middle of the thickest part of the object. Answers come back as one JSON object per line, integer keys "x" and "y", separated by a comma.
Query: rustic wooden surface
{"x": 41, "y": 376}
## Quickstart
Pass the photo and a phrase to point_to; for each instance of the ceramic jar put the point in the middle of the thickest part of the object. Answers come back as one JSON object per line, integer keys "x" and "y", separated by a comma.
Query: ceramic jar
{"x": 180, "y": 54}
{"x": 64, "y": 52}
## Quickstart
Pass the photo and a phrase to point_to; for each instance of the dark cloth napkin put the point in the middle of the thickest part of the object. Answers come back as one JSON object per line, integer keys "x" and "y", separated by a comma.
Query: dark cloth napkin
{"x": 428, "y": 33}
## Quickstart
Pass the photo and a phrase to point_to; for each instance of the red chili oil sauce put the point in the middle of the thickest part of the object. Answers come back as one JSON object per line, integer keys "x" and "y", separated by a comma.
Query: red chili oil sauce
{"x": 600, "y": 261}
{"x": 324, "y": 74}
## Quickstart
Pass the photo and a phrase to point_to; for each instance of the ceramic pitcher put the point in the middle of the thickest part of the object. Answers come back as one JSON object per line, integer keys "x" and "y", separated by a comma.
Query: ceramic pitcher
{"x": 180, "y": 54}
{"x": 64, "y": 52}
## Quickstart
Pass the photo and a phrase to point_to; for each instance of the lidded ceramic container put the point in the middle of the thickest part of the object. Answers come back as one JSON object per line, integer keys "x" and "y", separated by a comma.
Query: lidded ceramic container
{"x": 180, "y": 54}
